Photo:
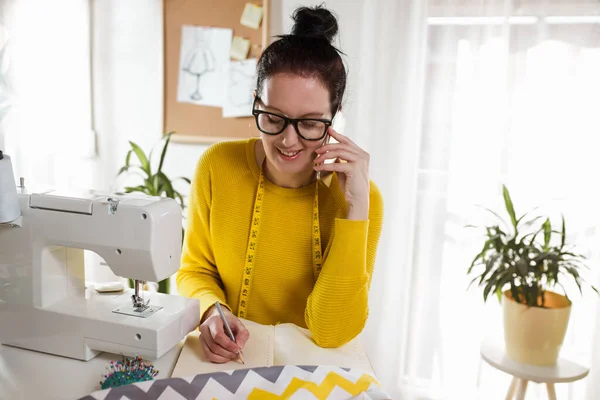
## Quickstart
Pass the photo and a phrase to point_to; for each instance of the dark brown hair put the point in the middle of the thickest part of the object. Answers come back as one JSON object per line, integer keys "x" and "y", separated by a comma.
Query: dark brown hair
{"x": 308, "y": 52}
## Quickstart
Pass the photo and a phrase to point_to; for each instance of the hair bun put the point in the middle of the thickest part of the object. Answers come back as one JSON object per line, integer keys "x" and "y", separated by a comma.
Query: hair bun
{"x": 315, "y": 22}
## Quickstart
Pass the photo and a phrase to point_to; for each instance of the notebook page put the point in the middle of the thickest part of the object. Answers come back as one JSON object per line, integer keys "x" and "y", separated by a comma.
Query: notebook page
{"x": 258, "y": 352}
{"x": 295, "y": 346}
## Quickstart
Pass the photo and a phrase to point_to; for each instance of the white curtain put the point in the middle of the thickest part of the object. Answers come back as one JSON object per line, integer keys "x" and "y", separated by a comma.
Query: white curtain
{"x": 48, "y": 131}
{"x": 465, "y": 96}
{"x": 5, "y": 70}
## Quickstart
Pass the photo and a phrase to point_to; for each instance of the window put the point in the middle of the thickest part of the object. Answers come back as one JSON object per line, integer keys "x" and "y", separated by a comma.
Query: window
{"x": 510, "y": 96}
{"x": 50, "y": 133}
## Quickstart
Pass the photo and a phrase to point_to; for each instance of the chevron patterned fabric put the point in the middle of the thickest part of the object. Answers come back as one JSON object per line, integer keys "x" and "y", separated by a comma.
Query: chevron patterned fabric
{"x": 279, "y": 382}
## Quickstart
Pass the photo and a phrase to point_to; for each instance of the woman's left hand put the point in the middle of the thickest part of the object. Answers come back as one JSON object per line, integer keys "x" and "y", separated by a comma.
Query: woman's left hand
{"x": 353, "y": 174}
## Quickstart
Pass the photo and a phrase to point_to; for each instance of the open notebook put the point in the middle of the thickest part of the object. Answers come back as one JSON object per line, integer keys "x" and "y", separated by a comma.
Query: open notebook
{"x": 269, "y": 345}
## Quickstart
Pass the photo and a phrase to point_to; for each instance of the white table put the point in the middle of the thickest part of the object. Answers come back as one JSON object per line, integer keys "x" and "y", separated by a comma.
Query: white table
{"x": 30, "y": 375}
{"x": 564, "y": 371}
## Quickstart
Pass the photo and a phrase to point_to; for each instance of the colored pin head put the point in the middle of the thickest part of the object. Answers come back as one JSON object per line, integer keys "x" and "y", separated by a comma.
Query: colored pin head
{"x": 126, "y": 371}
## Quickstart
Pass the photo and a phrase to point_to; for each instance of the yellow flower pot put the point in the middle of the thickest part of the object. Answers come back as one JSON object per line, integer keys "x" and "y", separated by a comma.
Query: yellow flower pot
{"x": 534, "y": 335}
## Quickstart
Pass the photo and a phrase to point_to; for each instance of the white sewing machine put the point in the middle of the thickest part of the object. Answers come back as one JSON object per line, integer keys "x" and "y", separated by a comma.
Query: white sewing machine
{"x": 44, "y": 303}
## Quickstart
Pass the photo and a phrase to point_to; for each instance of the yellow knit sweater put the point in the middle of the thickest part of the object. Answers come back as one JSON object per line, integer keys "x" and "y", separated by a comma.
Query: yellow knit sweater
{"x": 335, "y": 306}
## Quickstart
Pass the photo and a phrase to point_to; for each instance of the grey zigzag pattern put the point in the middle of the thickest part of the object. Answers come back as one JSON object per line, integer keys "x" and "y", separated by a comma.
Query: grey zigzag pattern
{"x": 191, "y": 390}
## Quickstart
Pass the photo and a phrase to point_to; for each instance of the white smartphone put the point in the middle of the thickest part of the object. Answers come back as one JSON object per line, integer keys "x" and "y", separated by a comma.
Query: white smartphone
{"x": 338, "y": 123}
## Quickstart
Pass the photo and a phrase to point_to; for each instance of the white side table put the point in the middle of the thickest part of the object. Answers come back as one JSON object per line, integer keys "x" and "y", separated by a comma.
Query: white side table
{"x": 563, "y": 371}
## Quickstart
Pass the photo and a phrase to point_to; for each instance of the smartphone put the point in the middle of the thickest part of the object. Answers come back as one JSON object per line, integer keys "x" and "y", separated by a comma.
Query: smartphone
{"x": 338, "y": 124}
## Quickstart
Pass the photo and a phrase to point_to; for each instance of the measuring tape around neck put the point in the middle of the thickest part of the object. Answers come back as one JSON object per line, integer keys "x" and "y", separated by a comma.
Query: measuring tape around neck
{"x": 250, "y": 261}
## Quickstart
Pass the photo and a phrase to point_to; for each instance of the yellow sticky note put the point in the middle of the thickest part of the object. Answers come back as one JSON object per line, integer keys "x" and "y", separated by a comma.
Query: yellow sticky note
{"x": 239, "y": 48}
{"x": 252, "y": 16}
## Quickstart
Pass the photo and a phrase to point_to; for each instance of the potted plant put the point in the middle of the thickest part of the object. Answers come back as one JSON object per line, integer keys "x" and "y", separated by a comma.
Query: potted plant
{"x": 524, "y": 262}
{"x": 154, "y": 183}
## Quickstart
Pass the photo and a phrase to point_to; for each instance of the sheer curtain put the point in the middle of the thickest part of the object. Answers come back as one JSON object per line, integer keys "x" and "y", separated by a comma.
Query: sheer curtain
{"x": 5, "y": 70}
{"x": 472, "y": 95}
{"x": 48, "y": 131}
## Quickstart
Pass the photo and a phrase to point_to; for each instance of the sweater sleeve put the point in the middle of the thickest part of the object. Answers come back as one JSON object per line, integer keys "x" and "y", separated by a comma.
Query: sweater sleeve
{"x": 198, "y": 276}
{"x": 337, "y": 309}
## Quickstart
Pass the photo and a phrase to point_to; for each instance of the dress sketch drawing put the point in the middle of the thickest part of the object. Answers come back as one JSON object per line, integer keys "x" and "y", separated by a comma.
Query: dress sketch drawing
{"x": 204, "y": 56}
{"x": 199, "y": 60}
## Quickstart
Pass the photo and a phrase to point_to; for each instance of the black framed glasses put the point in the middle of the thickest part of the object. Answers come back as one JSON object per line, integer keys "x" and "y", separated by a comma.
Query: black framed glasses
{"x": 273, "y": 124}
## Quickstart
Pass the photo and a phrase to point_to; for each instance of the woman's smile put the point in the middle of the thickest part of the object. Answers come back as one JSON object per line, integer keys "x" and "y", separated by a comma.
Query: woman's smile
{"x": 289, "y": 155}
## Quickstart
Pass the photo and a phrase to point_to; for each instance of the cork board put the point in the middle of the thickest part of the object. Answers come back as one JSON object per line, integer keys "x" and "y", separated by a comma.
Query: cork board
{"x": 193, "y": 123}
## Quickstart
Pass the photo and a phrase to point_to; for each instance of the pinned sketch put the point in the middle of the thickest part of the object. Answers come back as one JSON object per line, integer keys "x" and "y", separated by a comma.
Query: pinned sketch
{"x": 239, "y": 89}
{"x": 203, "y": 61}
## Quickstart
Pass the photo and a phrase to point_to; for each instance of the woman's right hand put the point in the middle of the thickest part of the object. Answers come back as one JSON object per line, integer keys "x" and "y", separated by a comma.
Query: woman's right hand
{"x": 217, "y": 345}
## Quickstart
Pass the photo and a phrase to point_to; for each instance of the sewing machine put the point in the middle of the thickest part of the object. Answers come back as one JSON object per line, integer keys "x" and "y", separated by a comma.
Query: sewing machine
{"x": 44, "y": 303}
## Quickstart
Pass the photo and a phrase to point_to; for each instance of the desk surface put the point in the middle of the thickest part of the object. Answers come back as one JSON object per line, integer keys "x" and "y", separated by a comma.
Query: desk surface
{"x": 30, "y": 375}
{"x": 564, "y": 370}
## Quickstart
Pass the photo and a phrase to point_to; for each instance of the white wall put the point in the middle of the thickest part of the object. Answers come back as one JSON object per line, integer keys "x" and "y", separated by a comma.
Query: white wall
{"x": 127, "y": 71}
{"x": 128, "y": 78}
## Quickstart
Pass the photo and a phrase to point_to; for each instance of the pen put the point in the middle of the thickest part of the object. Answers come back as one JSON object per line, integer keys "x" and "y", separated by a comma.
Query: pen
{"x": 228, "y": 328}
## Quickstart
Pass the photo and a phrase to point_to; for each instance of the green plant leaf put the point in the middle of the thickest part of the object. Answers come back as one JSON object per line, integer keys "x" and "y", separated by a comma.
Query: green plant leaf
{"x": 534, "y": 236}
{"x": 553, "y": 268}
{"x": 126, "y": 168}
{"x": 574, "y": 255}
{"x": 152, "y": 189}
{"x": 506, "y": 278}
{"x": 573, "y": 271}
{"x": 139, "y": 188}
{"x": 489, "y": 267}
{"x": 180, "y": 197}
{"x": 522, "y": 267}
{"x": 527, "y": 213}
{"x": 499, "y": 294}
{"x": 183, "y": 178}
{"x": 563, "y": 233}
{"x": 492, "y": 283}
{"x": 164, "y": 152}
{"x": 514, "y": 291}
{"x": 478, "y": 256}
{"x": 509, "y": 206}
{"x": 473, "y": 281}
{"x": 128, "y": 158}
{"x": 165, "y": 184}
{"x": 145, "y": 164}
{"x": 578, "y": 285}
{"x": 160, "y": 186}
{"x": 487, "y": 289}
{"x": 494, "y": 213}
{"x": 532, "y": 221}
{"x": 547, "y": 234}
{"x": 574, "y": 274}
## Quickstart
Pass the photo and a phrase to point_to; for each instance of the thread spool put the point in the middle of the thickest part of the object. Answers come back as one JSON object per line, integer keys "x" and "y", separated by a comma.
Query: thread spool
{"x": 9, "y": 201}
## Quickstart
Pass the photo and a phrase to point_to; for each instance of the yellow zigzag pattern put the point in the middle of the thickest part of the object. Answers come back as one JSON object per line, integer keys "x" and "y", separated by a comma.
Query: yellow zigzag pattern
{"x": 321, "y": 391}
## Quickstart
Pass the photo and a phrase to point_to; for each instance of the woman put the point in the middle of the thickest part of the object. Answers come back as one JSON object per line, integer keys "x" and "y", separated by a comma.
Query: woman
{"x": 274, "y": 233}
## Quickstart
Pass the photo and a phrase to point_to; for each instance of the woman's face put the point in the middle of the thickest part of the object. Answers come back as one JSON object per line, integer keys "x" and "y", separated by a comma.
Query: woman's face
{"x": 294, "y": 97}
